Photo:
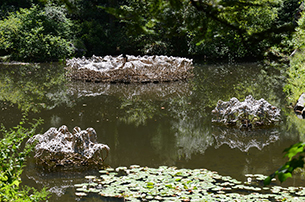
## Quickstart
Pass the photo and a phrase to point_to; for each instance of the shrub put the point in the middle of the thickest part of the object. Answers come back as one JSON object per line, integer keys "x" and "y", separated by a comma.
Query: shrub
{"x": 36, "y": 34}
{"x": 12, "y": 159}
{"x": 294, "y": 88}
{"x": 296, "y": 73}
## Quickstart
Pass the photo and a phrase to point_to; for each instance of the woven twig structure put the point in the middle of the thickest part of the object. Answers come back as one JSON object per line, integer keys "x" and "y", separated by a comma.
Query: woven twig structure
{"x": 130, "y": 69}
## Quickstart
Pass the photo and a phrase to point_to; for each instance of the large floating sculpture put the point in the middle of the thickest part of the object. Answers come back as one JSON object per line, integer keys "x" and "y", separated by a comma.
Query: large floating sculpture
{"x": 62, "y": 148}
{"x": 247, "y": 114}
{"x": 129, "y": 69}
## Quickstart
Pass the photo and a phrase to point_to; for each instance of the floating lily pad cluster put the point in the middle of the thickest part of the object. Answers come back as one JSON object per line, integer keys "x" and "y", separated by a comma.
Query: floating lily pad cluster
{"x": 171, "y": 184}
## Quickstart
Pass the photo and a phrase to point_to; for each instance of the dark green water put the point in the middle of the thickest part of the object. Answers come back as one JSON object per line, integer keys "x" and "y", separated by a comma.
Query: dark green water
{"x": 152, "y": 124}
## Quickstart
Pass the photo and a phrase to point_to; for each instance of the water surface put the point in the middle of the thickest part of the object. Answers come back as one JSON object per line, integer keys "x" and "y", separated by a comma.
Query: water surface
{"x": 152, "y": 124}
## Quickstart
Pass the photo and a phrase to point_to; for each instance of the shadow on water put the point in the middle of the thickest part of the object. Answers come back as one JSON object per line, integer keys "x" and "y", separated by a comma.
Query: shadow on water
{"x": 151, "y": 124}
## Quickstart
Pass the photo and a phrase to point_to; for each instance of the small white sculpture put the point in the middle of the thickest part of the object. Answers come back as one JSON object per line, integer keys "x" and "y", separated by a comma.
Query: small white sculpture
{"x": 246, "y": 114}
{"x": 61, "y": 148}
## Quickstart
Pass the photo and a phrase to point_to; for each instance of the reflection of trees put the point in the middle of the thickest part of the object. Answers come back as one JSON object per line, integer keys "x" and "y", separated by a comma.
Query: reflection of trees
{"x": 190, "y": 121}
{"x": 192, "y": 115}
{"x": 294, "y": 124}
{"x": 33, "y": 87}
{"x": 188, "y": 105}
{"x": 139, "y": 102}
{"x": 222, "y": 82}
{"x": 137, "y": 111}
{"x": 191, "y": 139}
{"x": 160, "y": 91}
{"x": 163, "y": 142}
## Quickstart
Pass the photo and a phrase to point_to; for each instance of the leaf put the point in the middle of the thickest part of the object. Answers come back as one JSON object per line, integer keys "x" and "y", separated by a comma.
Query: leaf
{"x": 283, "y": 176}
{"x": 169, "y": 186}
{"x": 286, "y": 170}
{"x": 294, "y": 150}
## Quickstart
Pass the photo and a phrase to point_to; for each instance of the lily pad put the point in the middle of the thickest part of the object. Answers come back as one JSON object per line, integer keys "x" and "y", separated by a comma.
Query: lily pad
{"x": 79, "y": 185}
{"x": 80, "y": 194}
{"x": 81, "y": 190}
{"x": 90, "y": 177}
{"x": 103, "y": 171}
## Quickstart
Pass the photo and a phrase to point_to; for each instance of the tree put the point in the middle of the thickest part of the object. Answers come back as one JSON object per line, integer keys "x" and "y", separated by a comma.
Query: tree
{"x": 237, "y": 27}
{"x": 36, "y": 34}
{"x": 294, "y": 88}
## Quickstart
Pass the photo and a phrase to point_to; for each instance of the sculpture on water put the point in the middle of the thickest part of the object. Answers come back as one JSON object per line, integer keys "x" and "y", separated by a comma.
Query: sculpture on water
{"x": 129, "y": 69}
{"x": 247, "y": 114}
{"x": 61, "y": 148}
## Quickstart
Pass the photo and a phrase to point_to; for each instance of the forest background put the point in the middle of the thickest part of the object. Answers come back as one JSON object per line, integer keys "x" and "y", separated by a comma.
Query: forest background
{"x": 49, "y": 30}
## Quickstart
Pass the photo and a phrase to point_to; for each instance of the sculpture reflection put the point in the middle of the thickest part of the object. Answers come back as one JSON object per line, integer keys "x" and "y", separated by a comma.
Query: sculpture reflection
{"x": 244, "y": 140}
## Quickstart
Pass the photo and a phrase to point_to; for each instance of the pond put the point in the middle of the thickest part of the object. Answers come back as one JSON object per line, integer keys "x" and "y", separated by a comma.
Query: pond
{"x": 164, "y": 124}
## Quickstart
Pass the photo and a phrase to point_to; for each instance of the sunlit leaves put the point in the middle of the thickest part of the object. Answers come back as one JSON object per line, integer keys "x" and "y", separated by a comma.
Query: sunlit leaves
{"x": 239, "y": 24}
{"x": 294, "y": 150}
{"x": 287, "y": 169}
{"x": 36, "y": 34}
{"x": 12, "y": 159}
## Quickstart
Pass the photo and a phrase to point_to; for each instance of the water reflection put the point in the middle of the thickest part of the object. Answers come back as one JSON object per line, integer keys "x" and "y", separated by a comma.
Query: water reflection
{"x": 33, "y": 87}
{"x": 244, "y": 140}
{"x": 152, "y": 124}
{"x": 158, "y": 91}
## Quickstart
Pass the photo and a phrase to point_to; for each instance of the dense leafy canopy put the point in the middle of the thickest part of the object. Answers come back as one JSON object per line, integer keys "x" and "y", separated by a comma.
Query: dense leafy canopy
{"x": 52, "y": 29}
{"x": 36, "y": 34}
{"x": 234, "y": 28}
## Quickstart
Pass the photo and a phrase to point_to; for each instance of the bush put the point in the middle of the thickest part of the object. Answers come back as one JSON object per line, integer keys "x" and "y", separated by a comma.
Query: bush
{"x": 36, "y": 34}
{"x": 296, "y": 73}
{"x": 12, "y": 159}
{"x": 294, "y": 88}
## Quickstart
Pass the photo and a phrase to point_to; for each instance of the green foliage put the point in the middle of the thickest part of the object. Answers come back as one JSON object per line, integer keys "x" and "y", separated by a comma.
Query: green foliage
{"x": 286, "y": 170}
{"x": 296, "y": 72}
{"x": 214, "y": 28}
{"x": 96, "y": 32}
{"x": 12, "y": 158}
{"x": 219, "y": 29}
{"x": 156, "y": 27}
{"x": 8, "y": 6}
{"x": 294, "y": 88}
{"x": 36, "y": 34}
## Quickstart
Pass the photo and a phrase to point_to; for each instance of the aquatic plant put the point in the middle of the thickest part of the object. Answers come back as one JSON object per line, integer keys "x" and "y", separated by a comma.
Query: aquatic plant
{"x": 171, "y": 184}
